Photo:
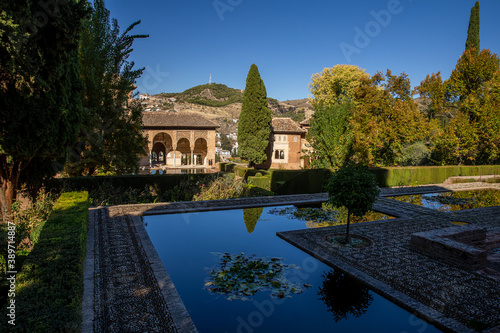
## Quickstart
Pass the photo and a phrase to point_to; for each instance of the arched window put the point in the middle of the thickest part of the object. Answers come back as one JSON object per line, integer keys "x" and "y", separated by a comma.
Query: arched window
{"x": 282, "y": 155}
{"x": 276, "y": 154}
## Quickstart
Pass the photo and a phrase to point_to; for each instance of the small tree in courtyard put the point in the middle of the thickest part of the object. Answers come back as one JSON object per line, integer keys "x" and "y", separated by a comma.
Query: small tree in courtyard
{"x": 355, "y": 188}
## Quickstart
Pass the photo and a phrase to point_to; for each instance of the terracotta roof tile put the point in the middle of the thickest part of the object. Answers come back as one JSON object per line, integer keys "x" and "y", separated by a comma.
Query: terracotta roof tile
{"x": 171, "y": 119}
{"x": 286, "y": 125}
{"x": 306, "y": 122}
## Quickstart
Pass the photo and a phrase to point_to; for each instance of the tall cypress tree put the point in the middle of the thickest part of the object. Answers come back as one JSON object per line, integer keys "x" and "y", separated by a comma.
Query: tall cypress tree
{"x": 473, "y": 31}
{"x": 254, "y": 126}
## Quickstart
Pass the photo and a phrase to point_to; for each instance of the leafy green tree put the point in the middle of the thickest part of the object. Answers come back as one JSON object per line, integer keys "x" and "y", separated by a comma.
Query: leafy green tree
{"x": 470, "y": 74}
{"x": 112, "y": 139}
{"x": 385, "y": 120}
{"x": 40, "y": 91}
{"x": 458, "y": 143}
{"x": 330, "y": 136}
{"x": 355, "y": 188}
{"x": 472, "y": 136}
{"x": 254, "y": 127}
{"x": 473, "y": 30}
{"x": 335, "y": 85}
{"x": 433, "y": 88}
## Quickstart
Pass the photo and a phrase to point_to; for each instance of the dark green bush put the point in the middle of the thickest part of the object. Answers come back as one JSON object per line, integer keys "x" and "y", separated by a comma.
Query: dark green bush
{"x": 262, "y": 182}
{"x": 415, "y": 154}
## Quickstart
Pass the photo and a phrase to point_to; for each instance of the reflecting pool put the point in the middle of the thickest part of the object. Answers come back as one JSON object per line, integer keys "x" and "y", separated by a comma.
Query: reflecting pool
{"x": 235, "y": 275}
{"x": 453, "y": 201}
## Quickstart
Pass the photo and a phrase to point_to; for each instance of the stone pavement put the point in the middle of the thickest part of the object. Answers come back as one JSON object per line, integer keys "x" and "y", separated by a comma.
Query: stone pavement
{"x": 127, "y": 288}
{"x": 446, "y": 296}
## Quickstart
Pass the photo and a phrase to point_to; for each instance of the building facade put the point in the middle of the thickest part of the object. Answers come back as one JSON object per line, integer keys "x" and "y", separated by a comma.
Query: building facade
{"x": 178, "y": 140}
{"x": 288, "y": 139}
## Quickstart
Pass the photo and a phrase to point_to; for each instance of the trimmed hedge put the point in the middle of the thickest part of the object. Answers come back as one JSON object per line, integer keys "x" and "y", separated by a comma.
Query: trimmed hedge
{"x": 49, "y": 287}
{"x": 305, "y": 182}
{"x": 262, "y": 182}
{"x": 404, "y": 176}
{"x": 161, "y": 182}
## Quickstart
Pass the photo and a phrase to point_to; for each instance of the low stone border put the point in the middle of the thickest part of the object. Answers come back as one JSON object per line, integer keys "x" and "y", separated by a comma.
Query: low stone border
{"x": 104, "y": 285}
{"x": 457, "y": 245}
{"x": 175, "y": 305}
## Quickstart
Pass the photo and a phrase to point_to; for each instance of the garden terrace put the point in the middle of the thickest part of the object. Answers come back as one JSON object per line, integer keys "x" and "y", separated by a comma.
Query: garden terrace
{"x": 132, "y": 279}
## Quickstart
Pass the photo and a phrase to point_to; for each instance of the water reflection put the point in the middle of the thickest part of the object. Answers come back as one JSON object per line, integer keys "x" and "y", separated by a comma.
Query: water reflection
{"x": 172, "y": 171}
{"x": 453, "y": 201}
{"x": 344, "y": 296}
{"x": 251, "y": 217}
{"x": 326, "y": 216}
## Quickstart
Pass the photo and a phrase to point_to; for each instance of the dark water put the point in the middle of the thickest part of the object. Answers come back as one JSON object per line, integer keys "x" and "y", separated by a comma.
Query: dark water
{"x": 329, "y": 303}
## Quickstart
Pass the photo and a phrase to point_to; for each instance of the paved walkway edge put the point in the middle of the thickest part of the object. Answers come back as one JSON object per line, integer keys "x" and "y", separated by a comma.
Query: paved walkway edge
{"x": 415, "y": 307}
{"x": 175, "y": 305}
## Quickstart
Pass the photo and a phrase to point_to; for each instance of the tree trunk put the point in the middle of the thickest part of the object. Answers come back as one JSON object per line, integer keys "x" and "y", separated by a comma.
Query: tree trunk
{"x": 7, "y": 197}
{"x": 347, "y": 230}
{"x": 9, "y": 178}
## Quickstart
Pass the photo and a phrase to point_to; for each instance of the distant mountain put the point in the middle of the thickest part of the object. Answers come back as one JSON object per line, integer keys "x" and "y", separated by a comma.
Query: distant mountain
{"x": 215, "y": 95}
{"x": 221, "y": 104}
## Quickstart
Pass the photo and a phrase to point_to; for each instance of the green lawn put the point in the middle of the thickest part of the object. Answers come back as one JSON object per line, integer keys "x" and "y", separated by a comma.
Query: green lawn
{"x": 49, "y": 287}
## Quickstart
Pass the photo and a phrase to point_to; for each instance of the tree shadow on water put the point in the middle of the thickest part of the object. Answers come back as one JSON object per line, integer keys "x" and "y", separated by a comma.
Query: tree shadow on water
{"x": 344, "y": 295}
{"x": 251, "y": 217}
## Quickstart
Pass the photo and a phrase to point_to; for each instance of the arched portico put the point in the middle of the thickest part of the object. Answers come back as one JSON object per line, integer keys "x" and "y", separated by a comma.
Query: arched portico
{"x": 200, "y": 151}
{"x": 183, "y": 139}
{"x": 158, "y": 153}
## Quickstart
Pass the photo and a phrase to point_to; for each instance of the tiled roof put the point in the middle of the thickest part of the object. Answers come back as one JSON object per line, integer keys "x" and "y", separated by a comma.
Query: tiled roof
{"x": 286, "y": 125}
{"x": 171, "y": 119}
{"x": 306, "y": 122}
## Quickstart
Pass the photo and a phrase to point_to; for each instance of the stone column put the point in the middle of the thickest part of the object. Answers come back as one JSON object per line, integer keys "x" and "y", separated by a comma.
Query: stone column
{"x": 174, "y": 150}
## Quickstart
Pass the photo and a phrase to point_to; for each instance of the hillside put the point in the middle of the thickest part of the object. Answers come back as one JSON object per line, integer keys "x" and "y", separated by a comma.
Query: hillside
{"x": 214, "y": 95}
{"x": 221, "y": 104}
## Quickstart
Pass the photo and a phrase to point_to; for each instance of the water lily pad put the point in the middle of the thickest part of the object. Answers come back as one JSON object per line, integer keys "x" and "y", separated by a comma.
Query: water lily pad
{"x": 238, "y": 276}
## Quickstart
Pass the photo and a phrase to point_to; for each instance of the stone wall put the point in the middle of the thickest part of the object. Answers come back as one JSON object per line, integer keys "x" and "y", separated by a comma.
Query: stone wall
{"x": 461, "y": 246}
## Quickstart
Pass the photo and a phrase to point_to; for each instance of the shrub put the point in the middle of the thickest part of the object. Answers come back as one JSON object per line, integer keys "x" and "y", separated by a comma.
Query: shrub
{"x": 355, "y": 188}
{"x": 228, "y": 188}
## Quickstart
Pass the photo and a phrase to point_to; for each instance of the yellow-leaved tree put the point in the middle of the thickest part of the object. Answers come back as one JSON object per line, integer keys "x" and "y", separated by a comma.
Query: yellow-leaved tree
{"x": 336, "y": 85}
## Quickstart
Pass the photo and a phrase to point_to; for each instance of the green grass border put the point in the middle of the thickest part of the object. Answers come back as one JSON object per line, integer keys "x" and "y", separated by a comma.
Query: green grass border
{"x": 49, "y": 288}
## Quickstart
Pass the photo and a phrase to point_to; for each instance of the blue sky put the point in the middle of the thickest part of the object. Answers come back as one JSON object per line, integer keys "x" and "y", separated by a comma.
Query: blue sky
{"x": 291, "y": 40}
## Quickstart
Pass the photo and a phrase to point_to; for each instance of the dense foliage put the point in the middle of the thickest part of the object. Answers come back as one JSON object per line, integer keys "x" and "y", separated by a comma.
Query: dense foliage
{"x": 111, "y": 139}
{"x": 40, "y": 91}
{"x": 456, "y": 121}
{"x": 254, "y": 127}
{"x": 336, "y": 85}
{"x": 330, "y": 136}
